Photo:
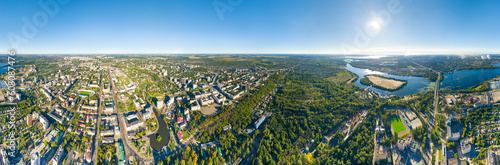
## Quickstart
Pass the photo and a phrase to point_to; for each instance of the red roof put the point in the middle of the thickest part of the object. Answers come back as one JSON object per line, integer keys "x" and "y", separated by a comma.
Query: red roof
{"x": 80, "y": 124}
{"x": 179, "y": 135}
{"x": 180, "y": 119}
{"x": 89, "y": 148}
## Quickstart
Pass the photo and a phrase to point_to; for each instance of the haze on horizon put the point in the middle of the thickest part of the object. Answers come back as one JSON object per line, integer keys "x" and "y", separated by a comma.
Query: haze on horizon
{"x": 250, "y": 26}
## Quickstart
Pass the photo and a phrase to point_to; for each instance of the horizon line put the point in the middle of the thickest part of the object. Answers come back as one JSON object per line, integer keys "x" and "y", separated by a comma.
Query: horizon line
{"x": 324, "y": 54}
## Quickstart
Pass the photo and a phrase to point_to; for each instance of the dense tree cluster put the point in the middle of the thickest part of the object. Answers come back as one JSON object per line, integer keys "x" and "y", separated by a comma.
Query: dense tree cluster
{"x": 305, "y": 107}
{"x": 419, "y": 133}
{"x": 481, "y": 87}
{"x": 397, "y": 66}
{"x": 106, "y": 154}
{"x": 357, "y": 149}
{"x": 194, "y": 155}
{"x": 447, "y": 64}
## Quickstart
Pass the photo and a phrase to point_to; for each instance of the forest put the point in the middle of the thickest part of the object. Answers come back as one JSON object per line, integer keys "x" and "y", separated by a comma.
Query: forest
{"x": 194, "y": 155}
{"x": 306, "y": 106}
{"x": 447, "y": 64}
{"x": 481, "y": 87}
{"x": 400, "y": 66}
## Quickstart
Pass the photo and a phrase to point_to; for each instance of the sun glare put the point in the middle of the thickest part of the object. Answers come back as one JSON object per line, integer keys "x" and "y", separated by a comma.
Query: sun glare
{"x": 374, "y": 25}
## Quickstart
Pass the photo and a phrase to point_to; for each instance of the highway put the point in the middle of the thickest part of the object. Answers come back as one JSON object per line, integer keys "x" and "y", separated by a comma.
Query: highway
{"x": 435, "y": 108}
{"x": 436, "y": 89}
{"x": 436, "y": 95}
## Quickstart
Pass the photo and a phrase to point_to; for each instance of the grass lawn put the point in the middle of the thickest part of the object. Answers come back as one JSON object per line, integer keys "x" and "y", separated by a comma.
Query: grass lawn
{"x": 440, "y": 154}
{"x": 85, "y": 93}
{"x": 397, "y": 124}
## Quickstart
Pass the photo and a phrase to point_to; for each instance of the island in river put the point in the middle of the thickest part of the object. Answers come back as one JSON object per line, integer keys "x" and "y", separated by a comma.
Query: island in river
{"x": 382, "y": 82}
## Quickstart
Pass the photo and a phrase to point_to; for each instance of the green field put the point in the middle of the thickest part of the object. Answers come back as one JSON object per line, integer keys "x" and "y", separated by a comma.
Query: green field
{"x": 397, "y": 124}
{"x": 85, "y": 93}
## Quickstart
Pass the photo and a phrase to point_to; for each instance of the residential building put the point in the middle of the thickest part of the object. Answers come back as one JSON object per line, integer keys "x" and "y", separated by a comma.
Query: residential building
{"x": 219, "y": 98}
{"x": 29, "y": 120}
{"x": 227, "y": 127}
{"x": 35, "y": 159}
{"x": 180, "y": 119}
{"x": 465, "y": 146}
{"x": 109, "y": 110}
{"x": 46, "y": 93}
{"x": 146, "y": 113}
{"x": 107, "y": 140}
{"x": 452, "y": 161}
{"x": 182, "y": 125}
{"x": 206, "y": 101}
{"x": 4, "y": 158}
{"x": 491, "y": 157}
{"x": 57, "y": 159}
{"x": 44, "y": 121}
{"x": 452, "y": 136}
{"x": 160, "y": 104}
{"x": 170, "y": 101}
{"x": 179, "y": 136}
{"x": 133, "y": 124}
{"x": 195, "y": 105}
{"x": 403, "y": 143}
{"x": 259, "y": 122}
{"x": 109, "y": 132}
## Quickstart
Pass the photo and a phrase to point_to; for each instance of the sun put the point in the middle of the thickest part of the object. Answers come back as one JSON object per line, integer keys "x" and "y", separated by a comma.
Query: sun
{"x": 374, "y": 25}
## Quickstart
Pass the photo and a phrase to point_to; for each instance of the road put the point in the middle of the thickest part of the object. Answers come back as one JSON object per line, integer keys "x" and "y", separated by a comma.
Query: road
{"x": 436, "y": 89}
{"x": 437, "y": 156}
{"x": 436, "y": 96}
{"x": 328, "y": 137}
{"x": 375, "y": 143}
{"x": 70, "y": 157}
{"x": 121, "y": 123}
{"x": 435, "y": 104}
{"x": 222, "y": 117}
{"x": 97, "y": 133}
{"x": 192, "y": 139}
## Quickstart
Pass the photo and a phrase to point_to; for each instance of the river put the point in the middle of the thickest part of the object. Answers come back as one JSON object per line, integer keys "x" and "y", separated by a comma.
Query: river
{"x": 163, "y": 131}
{"x": 3, "y": 67}
{"x": 463, "y": 79}
{"x": 456, "y": 80}
{"x": 414, "y": 85}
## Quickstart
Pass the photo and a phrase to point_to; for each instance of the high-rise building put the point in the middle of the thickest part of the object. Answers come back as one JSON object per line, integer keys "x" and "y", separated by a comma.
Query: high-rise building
{"x": 4, "y": 159}
{"x": 29, "y": 120}
{"x": 160, "y": 103}
{"x": 35, "y": 159}
{"x": 44, "y": 121}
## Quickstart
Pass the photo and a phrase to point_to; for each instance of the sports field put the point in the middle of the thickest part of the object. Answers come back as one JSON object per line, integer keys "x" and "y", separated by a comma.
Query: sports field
{"x": 85, "y": 93}
{"x": 397, "y": 124}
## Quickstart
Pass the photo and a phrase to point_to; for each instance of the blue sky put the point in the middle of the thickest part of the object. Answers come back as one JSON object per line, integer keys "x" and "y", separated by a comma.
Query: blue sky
{"x": 252, "y": 26}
